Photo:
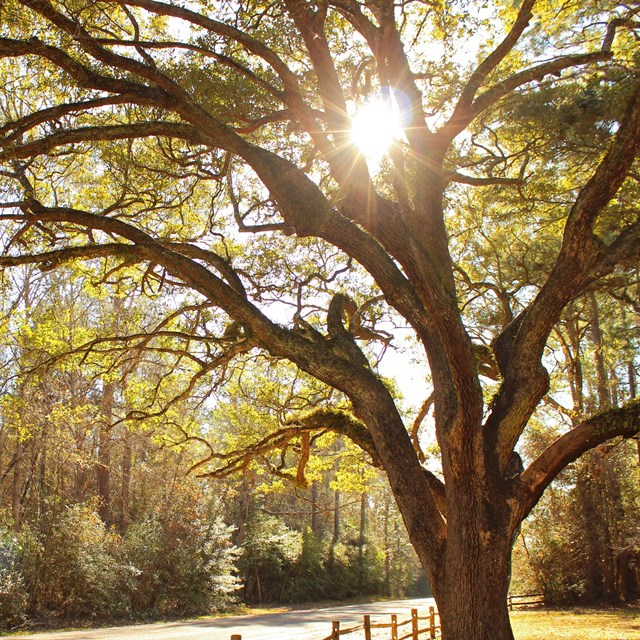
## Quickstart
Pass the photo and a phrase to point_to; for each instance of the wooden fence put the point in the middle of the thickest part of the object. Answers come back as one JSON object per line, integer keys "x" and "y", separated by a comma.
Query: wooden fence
{"x": 396, "y": 627}
{"x": 526, "y": 600}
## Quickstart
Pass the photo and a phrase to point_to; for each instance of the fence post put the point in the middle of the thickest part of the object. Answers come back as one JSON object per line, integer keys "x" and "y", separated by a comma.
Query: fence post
{"x": 367, "y": 627}
{"x": 510, "y": 601}
{"x": 432, "y": 622}
{"x": 414, "y": 624}
{"x": 335, "y": 630}
{"x": 394, "y": 626}
{"x": 236, "y": 637}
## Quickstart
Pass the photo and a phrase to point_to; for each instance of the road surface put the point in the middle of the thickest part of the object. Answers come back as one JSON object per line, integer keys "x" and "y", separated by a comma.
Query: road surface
{"x": 311, "y": 624}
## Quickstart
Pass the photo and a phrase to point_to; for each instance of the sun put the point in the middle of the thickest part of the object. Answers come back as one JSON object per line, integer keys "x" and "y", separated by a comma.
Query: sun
{"x": 375, "y": 126}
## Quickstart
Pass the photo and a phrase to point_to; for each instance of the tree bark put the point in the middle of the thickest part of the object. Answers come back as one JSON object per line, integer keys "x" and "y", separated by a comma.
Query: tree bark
{"x": 16, "y": 487}
{"x": 604, "y": 393}
{"x": 362, "y": 540}
{"x": 314, "y": 508}
{"x": 125, "y": 487}
{"x": 472, "y": 596}
{"x": 103, "y": 464}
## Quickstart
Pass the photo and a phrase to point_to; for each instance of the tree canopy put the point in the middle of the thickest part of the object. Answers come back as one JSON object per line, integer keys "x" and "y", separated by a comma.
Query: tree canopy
{"x": 202, "y": 154}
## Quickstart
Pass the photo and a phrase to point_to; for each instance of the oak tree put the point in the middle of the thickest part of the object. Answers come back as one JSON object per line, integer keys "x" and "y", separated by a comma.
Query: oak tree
{"x": 149, "y": 139}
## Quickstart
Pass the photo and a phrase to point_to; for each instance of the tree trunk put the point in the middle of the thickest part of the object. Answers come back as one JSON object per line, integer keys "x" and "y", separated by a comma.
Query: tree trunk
{"x": 576, "y": 378}
{"x": 387, "y": 550}
{"x": 336, "y": 529}
{"x": 42, "y": 470}
{"x": 16, "y": 488}
{"x": 472, "y": 594}
{"x": 362, "y": 540}
{"x": 586, "y": 493}
{"x": 125, "y": 488}
{"x": 631, "y": 373}
{"x": 314, "y": 508}
{"x": 103, "y": 464}
{"x": 336, "y": 519}
{"x": 244, "y": 509}
{"x": 604, "y": 393}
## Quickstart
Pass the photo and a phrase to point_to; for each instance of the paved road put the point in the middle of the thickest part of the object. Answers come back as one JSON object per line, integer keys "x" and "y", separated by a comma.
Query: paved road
{"x": 312, "y": 624}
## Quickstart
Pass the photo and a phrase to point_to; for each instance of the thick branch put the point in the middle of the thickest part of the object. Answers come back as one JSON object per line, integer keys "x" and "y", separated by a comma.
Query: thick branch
{"x": 491, "y": 62}
{"x": 536, "y": 478}
{"x": 343, "y": 423}
{"x": 460, "y": 121}
{"x": 84, "y": 75}
{"x": 51, "y": 259}
{"x": 320, "y": 420}
{"x": 19, "y": 127}
{"x": 100, "y": 133}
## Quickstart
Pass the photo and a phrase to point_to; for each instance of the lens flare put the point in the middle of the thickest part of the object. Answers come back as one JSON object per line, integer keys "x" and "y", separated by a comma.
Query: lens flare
{"x": 375, "y": 126}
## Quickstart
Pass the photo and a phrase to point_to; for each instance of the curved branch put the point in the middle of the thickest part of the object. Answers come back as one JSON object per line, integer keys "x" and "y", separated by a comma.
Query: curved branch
{"x": 343, "y": 423}
{"x": 22, "y": 125}
{"x": 51, "y": 259}
{"x": 476, "y": 181}
{"x": 460, "y": 121}
{"x": 312, "y": 32}
{"x": 253, "y": 45}
{"x": 469, "y": 108}
{"x": 415, "y": 428}
{"x": 322, "y": 420}
{"x": 101, "y": 133}
{"x": 208, "y": 53}
{"x": 491, "y": 62}
{"x": 84, "y": 75}
{"x": 538, "y": 475}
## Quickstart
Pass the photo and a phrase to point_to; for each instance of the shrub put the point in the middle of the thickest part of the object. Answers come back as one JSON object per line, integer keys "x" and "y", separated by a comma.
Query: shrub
{"x": 269, "y": 557}
{"x": 13, "y": 593}
{"x": 82, "y": 575}
{"x": 181, "y": 565}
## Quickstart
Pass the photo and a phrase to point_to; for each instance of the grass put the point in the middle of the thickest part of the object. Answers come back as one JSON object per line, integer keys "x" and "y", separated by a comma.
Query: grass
{"x": 577, "y": 624}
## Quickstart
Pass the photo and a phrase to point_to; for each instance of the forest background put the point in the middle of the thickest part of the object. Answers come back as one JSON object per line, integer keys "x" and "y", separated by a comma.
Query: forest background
{"x": 102, "y": 517}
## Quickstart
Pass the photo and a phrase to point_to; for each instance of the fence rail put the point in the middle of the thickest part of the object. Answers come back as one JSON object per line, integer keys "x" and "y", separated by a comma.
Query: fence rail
{"x": 430, "y": 631}
{"x": 526, "y": 600}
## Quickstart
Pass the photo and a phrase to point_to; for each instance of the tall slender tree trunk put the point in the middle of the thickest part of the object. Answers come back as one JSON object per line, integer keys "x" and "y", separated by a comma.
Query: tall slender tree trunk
{"x": 631, "y": 375}
{"x": 604, "y": 392}
{"x": 336, "y": 519}
{"x": 42, "y": 469}
{"x": 387, "y": 550}
{"x": 103, "y": 464}
{"x": 336, "y": 528}
{"x": 314, "y": 508}
{"x": 244, "y": 509}
{"x": 125, "y": 482}
{"x": 362, "y": 540}
{"x": 576, "y": 379}
{"x": 586, "y": 489}
{"x": 16, "y": 487}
